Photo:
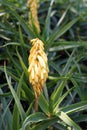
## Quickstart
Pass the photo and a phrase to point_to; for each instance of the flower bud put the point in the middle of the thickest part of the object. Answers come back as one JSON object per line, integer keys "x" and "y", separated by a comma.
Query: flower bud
{"x": 33, "y": 14}
{"x": 38, "y": 66}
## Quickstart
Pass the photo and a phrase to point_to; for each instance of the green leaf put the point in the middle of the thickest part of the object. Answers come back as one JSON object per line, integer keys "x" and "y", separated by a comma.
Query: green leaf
{"x": 5, "y": 94}
{"x": 25, "y": 26}
{"x": 64, "y": 117}
{"x": 30, "y": 108}
{"x": 45, "y": 124}
{"x": 47, "y": 21}
{"x": 21, "y": 37}
{"x": 28, "y": 92}
{"x": 14, "y": 43}
{"x": 15, "y": 121}
{"x": 63, "y": 47}
{"x": 6, "y": 114}
{"x": 58, "y": 92}
{"x": 56, "y": 105}
{"x": 60, "y": 32}
{"x": 11, "y": 43}
{"x": 22, "y": 22}
{"x": 55, "y": 35}
{"x": 33, "y": 118}
{"x": 23, "y": 50}
{"x": 81, "y": 118}
{"x": 19, "y": 106}
{"x": 75, "y": 107}
{"x": 16, "y": 65}
{"x": 43, "y": 104}
{"x": 56, "y": 67}
{"x": 23, "y": 65}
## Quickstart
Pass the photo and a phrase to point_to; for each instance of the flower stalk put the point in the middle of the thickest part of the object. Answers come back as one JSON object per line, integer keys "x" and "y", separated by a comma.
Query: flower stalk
{"x": 33, "y": 14}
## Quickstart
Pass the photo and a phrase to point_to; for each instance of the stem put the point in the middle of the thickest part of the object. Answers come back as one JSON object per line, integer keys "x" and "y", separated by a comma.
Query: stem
{"x": 36, "y": 104}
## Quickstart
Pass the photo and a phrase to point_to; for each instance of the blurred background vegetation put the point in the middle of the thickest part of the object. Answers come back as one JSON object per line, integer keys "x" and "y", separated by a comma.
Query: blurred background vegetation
{"x": 63, "y": 102}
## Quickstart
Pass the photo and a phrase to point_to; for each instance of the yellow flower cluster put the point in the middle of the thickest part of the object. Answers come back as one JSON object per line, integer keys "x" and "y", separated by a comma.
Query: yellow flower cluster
{"x": 38, "y": 66}
{"x": 33, "y": 14}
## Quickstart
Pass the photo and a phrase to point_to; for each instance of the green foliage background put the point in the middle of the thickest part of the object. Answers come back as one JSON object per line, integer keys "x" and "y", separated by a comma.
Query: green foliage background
{"x": 63, "y": 102}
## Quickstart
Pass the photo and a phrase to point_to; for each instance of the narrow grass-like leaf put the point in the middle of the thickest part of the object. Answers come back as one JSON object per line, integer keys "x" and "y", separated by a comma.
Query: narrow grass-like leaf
{"x": 20, "y": 19}
{"x": 23, "y": 50}
{"x": 19, "y": 106}
{"x": 75, "y": 107}
{"x": 22, "y": 22}
{"x": 43, "y": 104}
{"x": 11, "y": 43}
{"x": 16, "y": 65}
{"x": 45, "y": 124}
{"x": 63, "y": 47}
{"x": 64, "y": 117}
{"x": 81, "y": 118}
{"x": 57, "y": 93}
{"x": 33, "y": 118}
{"x": 14, "y": 43}
{"x": 21, "y": 36}
{"x": 5, "y": 94}
{"x": 28, "y": 93}
{"x": 47, "y": 21}
{"x": 62, "y": 17}
{"x": 62, "y": 98}
{"x": 68, "y": 63}
{"x": 60, "y": 32}
{"x": 56, "y": 67}
{"x": 55, "y": 35}
{"x": 45, "y": 91}
{"x": 30, "y": 108}
{"x": 23, "y": 65}
{"x": 7, "y": 113}
{"x": 15, "y": 121}
{"x": 59, "y": 126}
{"x": 66, "y": 43}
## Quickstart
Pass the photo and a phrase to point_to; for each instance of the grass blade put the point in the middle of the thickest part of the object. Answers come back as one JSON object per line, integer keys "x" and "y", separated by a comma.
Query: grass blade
{"x": 19, "y": 106}
{"x": 43, "y": 104}
{"x": 47, "y": 22}
{"x": 45, "y": 124}
{"x": 15, "y": 121}
{"x": 55, "y": 35}
{"x": 7, "y": 114}
{"x": 33, "y": 118}
{"x": 75, "y": 107}
{"x": 68, "y": 120}
{"x": 62, "y": 98}
{"x": 23, "y": 65}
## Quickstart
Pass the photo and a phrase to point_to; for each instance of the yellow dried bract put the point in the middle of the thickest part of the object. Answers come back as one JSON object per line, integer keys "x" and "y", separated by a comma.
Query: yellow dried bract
{"x": 38, "y": 66}
{"x": 33, "y": 14}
